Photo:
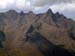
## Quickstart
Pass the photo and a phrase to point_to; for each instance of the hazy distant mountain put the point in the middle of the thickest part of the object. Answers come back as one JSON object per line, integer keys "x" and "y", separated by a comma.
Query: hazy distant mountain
{"x": 29, "y": 34}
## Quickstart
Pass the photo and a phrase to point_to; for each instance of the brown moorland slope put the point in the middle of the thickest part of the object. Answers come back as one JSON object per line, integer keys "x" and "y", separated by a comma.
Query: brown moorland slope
{"x": 30, "y": 34}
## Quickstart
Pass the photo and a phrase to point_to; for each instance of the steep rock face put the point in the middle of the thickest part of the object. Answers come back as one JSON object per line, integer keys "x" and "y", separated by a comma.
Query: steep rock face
{"x": 29, "y": 31}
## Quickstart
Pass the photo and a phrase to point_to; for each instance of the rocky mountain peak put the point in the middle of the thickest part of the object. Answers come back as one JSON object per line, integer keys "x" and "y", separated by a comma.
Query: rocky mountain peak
{"x": 31, "y": 13}
{"x": 49, "y": 11}
{"x": 22, "y": 13}
{"x": 57, "y": 14}
{"x": 11, "y": 12}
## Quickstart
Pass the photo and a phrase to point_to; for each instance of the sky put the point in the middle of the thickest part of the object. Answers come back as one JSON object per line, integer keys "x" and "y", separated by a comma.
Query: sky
{"x": 66, "y": 7}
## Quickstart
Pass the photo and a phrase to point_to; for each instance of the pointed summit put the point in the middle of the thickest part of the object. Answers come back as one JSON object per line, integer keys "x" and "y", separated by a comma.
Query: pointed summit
{"x": 62, "y": 16}
{"x": 22, "y": 13}
{"x": 31, "y": 13}
{"x": 57, "y": 14}
{"x": 12, "y": 12}
{"x": 49, "y": 11}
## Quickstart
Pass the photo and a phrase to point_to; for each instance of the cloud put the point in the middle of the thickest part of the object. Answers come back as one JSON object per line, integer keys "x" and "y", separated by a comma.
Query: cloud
{"x": 5, "y": 3}
{"x": 50, "y": 2}
{"x": 19, "y": 4}
{"x": 68, "y": 10}
{"x": 66, "y": 7}
{"x": 61, "y": 7}
{"x": 42, "y": 9}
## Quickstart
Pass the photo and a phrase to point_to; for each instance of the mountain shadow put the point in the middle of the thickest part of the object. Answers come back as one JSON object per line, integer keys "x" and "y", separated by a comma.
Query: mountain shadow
{"x": 46, "y": 47}
{"x": 71, "y": 34}
{"x": 2, "y": 38}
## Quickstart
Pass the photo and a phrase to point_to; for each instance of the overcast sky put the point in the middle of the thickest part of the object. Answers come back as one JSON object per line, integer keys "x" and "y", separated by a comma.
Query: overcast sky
{"x": 67, "y": 7}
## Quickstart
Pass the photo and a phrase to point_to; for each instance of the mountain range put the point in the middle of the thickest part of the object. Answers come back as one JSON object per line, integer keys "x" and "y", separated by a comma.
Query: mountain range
{"x": 30, "y": 34}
